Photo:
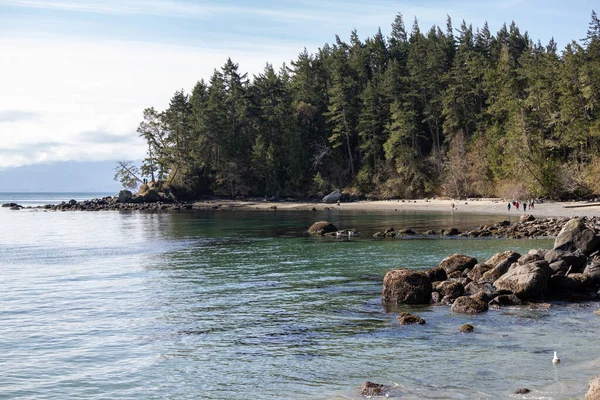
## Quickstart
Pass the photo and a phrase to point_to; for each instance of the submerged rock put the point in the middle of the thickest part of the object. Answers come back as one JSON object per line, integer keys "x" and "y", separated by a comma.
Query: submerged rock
{"x": 466, "y": 328}
{"x": 405, "y": 318}
{"x": 374, "y": 389}
{"x": 522, "y": 391}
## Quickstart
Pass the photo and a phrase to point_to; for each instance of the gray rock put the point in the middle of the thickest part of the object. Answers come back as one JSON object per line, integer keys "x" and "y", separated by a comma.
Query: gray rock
{"x": 124, "y": 196}
{"x": 495, "y": 273}
{"x": 575, "y": 235}
{"x": 560, "y": 267}
{"x": 592, "y": 270}
{"x": 528, "y": 258}
{"x": 576, "y": 258}
{"x": 526, "y": 281}
{"x": 402, "y": 286}
{"x": 333, "y": 197}
{"x": 500, "y": 257}
{"x": 468, "y": 305}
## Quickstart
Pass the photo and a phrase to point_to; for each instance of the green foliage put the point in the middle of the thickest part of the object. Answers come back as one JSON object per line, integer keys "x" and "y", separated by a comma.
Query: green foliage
{"x": 458, "y": 112}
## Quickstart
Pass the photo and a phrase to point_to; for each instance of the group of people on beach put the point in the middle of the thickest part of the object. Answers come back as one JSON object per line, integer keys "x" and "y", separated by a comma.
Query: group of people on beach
{"x": 516, "y": 204}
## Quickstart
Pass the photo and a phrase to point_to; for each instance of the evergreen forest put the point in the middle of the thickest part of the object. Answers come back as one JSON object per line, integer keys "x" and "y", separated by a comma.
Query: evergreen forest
{"x": 457, "y": 112}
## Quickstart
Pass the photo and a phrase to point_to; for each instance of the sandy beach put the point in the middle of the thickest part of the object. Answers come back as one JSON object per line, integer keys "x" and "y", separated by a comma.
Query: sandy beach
{"x": 478, "y": 206}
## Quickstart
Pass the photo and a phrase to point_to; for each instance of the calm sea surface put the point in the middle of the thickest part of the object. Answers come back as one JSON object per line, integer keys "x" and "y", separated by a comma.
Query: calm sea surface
{"x": 244, "y": 305}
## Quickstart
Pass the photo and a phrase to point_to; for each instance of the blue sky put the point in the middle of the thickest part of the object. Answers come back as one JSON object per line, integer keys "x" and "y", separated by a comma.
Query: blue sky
{"x": 75, "y": 75}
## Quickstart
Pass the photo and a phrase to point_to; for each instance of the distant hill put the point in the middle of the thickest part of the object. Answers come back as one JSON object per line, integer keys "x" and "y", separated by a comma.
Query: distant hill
{"x": 67, "y": 176}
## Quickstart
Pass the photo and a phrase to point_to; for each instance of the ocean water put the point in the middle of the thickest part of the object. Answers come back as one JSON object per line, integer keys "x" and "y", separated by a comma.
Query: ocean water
{"x": 244, "y": 305}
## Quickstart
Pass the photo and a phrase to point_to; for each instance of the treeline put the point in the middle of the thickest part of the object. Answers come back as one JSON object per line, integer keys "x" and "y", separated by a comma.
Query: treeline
{"x": 457, "y": 112}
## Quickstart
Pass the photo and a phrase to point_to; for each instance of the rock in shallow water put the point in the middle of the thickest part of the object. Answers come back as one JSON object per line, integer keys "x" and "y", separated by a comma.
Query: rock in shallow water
{"x": 593, "y": 392}
{"x": 374, "y": 389}
{"x": 402, "y": 286}
{"x": 321, "y": 228}
{"x": 405, "y": 318}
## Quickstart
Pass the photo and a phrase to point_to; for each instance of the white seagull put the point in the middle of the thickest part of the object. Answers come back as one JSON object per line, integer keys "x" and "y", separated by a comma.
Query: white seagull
{"x": 555, "y": 360}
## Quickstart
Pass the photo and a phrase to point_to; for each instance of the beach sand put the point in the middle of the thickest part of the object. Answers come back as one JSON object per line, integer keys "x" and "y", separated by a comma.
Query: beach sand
{"x": 477, "y": 206}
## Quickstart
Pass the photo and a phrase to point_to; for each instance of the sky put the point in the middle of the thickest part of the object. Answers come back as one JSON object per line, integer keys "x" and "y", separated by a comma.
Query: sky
{"x": 76, "y": 75}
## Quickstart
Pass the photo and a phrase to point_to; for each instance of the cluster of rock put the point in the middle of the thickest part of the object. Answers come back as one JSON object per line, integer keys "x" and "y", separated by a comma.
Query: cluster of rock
{"x": 324, "y": 228}
{"x": 145, "y": 200}
{"x": 12, "y": 206}
{"x": 570, "y": 271}
{"x": 527, "y": 227}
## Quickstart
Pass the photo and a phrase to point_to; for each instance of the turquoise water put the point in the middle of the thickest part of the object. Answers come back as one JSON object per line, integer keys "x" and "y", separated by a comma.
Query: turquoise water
{"x": 244, "y": 305}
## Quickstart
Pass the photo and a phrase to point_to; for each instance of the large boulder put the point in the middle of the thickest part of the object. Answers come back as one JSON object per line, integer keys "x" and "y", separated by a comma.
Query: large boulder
{"x": 457, "y": 262}
{"x": 593, "y": 392}
{"x": 526, "y": 281}
{"x": 333, "y": 197}
{"x": 575, "y": 235}
{"x": 403, "y": 286}
{"x": 124, "y": 196}
{"x": 468, "y": 305}
{"x": 321, "y": 228}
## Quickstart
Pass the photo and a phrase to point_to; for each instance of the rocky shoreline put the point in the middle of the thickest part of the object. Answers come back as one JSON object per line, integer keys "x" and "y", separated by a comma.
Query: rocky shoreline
{"x": 528, "y": 227}
{"x": 570, "y": 271}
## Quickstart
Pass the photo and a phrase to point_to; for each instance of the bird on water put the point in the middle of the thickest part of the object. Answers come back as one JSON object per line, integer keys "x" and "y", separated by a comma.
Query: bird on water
{"x": 555, "y": 360}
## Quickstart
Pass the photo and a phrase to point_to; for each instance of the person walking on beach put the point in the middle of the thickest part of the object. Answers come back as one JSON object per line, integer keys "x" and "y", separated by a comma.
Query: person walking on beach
{"x": 517, "y": 206}
{"x": 508, "y": 206}
{"x": 525, "y": 207}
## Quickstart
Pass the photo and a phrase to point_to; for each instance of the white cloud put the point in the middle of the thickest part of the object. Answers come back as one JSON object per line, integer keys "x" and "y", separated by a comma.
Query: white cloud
{"x": 76, "y": 86}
